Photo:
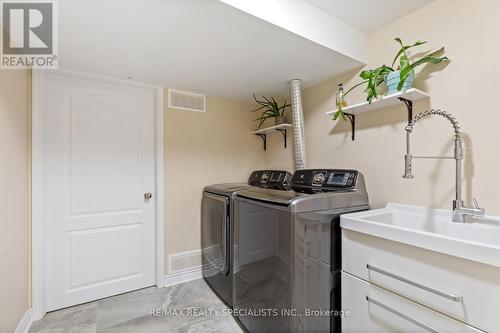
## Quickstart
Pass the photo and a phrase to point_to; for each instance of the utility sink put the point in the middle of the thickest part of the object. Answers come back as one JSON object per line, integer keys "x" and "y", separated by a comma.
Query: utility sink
{"x": 478, "y": 239}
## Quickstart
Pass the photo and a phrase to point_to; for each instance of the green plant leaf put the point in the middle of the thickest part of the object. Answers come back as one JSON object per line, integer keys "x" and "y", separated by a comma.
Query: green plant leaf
{"x": 338, "y": 114}
{"x": 270, "y": 104}
{"x": 404, "y": 70}
{"x": 404, "y": 62}
{"x": 374, "y": 78}
{"x": 260, "y": 124}
{"x": 404, "y": 48}
{"x": 262, "y": 118}
{"x": 259, "y": 102}
{"x": 403, "y": 75}
{"x": 430, "y": 58}
{"x": 397, "y": 39}
{"x": 365, "y": 75}
{"x": 267, "y": 113}
{"x": 283, "y": 108}
{"x": 257, "y": 109}
{"x": 267, "y": 100}
{"x": 271, "y": 101}
{"x": 353, "y": 87}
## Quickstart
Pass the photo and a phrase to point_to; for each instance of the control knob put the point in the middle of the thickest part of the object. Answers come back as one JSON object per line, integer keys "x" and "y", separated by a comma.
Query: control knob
{"x": 318, "y": 178}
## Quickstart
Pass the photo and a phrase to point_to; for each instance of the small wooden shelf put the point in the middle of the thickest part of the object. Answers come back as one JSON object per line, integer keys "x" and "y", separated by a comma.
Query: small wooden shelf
{"x": 412, "y": 94}
{"x": 263, "y": 132}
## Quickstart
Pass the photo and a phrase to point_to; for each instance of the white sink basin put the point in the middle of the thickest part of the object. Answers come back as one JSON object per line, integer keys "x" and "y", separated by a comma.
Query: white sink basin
{"x": 478, "y": 239}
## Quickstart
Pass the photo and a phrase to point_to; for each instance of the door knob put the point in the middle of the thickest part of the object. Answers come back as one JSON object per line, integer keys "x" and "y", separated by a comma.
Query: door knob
{"x": 148, "y": 195}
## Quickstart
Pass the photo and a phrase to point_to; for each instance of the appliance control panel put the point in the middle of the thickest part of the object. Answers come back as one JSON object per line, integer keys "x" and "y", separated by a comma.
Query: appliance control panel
{"x": 324, "y": 179}
{"x": 275, "y": 179}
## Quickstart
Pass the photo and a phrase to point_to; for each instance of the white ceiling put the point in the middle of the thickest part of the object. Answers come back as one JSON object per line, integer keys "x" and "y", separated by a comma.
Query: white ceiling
{"x": 210, "y": 47}
{"x": 368, "y": 15}
{"x": 203, "y": 46}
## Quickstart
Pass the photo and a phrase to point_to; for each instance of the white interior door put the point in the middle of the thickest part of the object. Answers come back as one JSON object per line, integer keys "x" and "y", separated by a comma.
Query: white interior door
{"x": 100, "y": 164}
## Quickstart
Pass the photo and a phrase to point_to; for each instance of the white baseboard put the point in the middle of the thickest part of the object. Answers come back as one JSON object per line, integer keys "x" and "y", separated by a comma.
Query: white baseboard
{"x": 182, "y": 276}
{"x": 25, "y": 323}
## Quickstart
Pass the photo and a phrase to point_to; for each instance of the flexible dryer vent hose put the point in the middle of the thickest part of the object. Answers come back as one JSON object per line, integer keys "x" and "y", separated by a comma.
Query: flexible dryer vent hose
{"x": 298, "y": 124}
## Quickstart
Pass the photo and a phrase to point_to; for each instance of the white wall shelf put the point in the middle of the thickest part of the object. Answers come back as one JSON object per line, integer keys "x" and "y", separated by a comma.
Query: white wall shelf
{"x": 271, "y": 129}
{"x": 412, "y": 94}
{"x": 407, "y": 97}
{"x": 263, "y": 132}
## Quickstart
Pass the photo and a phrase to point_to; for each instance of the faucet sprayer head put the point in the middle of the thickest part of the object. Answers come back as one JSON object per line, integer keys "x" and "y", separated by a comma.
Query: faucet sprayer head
{"x": 408, "y": 174}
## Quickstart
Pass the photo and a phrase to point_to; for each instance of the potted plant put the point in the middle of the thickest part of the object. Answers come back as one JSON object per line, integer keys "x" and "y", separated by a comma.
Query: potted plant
{"x": 271, "y": 109}
{"x": 398, "y": 79}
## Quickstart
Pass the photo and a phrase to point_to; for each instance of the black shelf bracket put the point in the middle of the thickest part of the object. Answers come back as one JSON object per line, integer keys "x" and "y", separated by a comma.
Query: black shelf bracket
{"x": 264, "y": 139}
{"x": 283, "y": 131}
{"x": 352, "y": 119}
{"x": 409, "y": 107}
{"x": 263, "y": 136}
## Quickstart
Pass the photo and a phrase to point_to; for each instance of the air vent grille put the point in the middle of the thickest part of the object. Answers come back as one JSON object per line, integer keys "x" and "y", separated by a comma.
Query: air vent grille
{"x": 184, "y": 260}
{"x": 186, "y": 100}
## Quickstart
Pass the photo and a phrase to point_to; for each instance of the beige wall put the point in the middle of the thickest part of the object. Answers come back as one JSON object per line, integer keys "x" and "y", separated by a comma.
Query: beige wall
{"x": 203, "y": 149}
{"x": 467, "y": 88}
{"x": 14, "y": 197}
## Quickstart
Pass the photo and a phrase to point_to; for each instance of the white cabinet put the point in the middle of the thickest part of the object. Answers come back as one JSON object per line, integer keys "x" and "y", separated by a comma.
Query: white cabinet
{"x": 462, "y": 292}
{"x": 376, "y": 310}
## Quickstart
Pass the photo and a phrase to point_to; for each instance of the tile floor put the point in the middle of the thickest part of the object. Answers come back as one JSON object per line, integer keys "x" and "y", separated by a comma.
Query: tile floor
{"x": 131, "y": 313}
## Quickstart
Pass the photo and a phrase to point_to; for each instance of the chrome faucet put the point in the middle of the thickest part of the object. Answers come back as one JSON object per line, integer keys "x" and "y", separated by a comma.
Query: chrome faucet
{"x": 459, "y": 210}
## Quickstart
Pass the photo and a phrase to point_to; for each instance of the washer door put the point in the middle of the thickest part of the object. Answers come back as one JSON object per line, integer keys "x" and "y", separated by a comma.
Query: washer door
{"x": 215, "y": 235}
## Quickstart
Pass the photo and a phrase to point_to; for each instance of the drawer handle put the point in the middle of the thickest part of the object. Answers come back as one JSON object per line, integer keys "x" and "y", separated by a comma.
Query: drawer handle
{"x": 415, "y": 284}
{"x": 401, "y": 315}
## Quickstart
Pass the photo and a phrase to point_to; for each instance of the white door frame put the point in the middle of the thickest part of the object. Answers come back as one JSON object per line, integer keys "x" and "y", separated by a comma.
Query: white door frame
{"x": 38, "y": 183}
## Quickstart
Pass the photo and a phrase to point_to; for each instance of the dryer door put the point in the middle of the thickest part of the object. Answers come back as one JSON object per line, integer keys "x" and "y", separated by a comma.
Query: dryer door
{"x": 215, "y": 235}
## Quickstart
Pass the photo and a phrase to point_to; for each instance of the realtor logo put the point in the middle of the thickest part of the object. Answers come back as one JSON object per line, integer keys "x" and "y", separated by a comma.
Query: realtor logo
{"x": 29, "y": 34}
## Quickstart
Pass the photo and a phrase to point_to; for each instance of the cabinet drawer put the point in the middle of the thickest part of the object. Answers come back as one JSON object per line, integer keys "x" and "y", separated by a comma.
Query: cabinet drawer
{"x": 376, "y": 310}
{"x": 462, "y": 289}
